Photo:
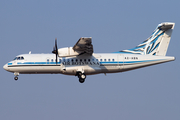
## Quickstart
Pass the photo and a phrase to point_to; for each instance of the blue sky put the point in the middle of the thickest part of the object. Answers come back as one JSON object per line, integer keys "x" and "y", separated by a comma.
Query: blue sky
{"x": 147, "y": 93}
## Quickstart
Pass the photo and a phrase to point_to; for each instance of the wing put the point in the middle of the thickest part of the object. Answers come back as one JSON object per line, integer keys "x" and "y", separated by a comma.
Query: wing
{"x": 84, "y": 45}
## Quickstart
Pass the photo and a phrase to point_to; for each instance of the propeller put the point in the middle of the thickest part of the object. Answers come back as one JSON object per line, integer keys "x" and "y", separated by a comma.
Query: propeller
{"x": 55, "y": 49}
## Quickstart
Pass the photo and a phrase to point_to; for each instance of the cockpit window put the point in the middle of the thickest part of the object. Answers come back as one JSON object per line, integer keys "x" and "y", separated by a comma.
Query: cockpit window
{"x": 22, "y": 58}
{"x": 19, "y": 58}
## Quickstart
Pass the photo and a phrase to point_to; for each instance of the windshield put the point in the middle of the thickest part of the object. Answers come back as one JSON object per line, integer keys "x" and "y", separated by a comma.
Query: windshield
{"x": 19, "y": 58}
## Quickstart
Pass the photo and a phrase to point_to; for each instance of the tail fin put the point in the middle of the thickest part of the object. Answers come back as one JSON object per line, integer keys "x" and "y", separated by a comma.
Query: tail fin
{"x": 157, "y": 43}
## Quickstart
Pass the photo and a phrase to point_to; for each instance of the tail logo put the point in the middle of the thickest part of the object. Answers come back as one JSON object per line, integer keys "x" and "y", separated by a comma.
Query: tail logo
{"x": 150, "y": 46}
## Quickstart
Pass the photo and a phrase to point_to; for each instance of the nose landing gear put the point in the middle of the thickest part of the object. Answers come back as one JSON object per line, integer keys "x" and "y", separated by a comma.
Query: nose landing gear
{"x": 16, "y": 76}
{"x": 81, "y": 77}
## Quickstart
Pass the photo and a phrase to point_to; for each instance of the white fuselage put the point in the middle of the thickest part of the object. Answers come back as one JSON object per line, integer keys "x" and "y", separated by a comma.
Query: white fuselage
{"x": 95, "y": 64}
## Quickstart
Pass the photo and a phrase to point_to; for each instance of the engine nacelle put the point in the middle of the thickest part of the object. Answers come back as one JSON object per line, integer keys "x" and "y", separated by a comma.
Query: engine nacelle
{"x": 67, "y": 51}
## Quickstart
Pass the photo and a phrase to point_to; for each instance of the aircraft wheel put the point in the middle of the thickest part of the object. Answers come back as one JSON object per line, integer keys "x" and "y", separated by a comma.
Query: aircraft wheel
{"x": 16, "y": 78}
{"x": 83, "y": 76}
{"x": 81, "y": 80}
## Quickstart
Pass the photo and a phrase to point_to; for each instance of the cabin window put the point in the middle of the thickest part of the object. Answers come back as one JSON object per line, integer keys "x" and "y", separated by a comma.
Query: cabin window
{"x": 76, "y": 60}
{"x": 113, "y": 60}
{"x": 84, "y": 60}
{"x": 97, "y": 60}
{"x": 51, "y": 60}
{"x": 89, "y": 60}
{"x": 101, "y": 60}
{"x": 104, "y": 59}
{"x": 109, "y": 59}
{"x": 59, "y": 60}
{"x": 80, "y": 60}
{"x": 18, "y": 58}
{"x": 47, "y": 60}
{"x": 64, "y": 60}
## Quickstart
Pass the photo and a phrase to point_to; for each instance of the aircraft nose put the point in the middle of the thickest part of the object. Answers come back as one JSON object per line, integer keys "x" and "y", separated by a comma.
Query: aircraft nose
{"x": 5, "y": 67}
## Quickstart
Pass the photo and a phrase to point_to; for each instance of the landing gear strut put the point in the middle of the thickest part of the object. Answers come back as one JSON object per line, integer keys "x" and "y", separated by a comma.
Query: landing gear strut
{"x": 81, "y": 77}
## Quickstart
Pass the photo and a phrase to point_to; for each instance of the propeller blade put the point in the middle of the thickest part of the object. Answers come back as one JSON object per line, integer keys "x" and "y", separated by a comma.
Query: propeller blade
{"x": 56, "y": 44}
{"x": 56, "y": 58}
{"x": 55, "y": 49}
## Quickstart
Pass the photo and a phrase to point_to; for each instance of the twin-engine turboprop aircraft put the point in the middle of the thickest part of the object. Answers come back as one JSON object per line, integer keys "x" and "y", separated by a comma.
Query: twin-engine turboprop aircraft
{"x": 81, "y": 61}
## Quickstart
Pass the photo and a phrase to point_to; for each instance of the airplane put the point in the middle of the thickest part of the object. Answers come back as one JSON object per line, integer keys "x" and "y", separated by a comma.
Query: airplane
{"x": 80, "y": 60}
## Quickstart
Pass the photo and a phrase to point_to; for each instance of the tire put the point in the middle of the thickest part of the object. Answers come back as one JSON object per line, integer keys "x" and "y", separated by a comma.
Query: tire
{"x": 83, "y": 76}
{"x": 16, "y": 78}
{"x": 81, "y": 80}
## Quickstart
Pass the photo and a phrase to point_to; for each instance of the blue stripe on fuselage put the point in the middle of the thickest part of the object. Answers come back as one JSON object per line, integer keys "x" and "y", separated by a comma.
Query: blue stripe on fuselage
{"x": 53, "y": 63}
{"x": 36, "y": 63}
{"x": 9, "y": 63}
{"x": 128, "y": 62}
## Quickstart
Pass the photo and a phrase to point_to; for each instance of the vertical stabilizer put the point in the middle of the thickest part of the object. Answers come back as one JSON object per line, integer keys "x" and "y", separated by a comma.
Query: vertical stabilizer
{"x": 157, "y": 43}
{"x": 167, "y": 28}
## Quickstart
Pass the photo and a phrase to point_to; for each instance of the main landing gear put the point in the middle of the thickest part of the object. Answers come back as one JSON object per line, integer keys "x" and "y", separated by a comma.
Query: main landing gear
{"x": 81, "y": 77}
{"x": 16, "y": 76}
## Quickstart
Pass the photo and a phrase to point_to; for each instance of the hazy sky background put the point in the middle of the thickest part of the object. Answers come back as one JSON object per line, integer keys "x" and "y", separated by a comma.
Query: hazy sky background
{"x": 150, "y": 93}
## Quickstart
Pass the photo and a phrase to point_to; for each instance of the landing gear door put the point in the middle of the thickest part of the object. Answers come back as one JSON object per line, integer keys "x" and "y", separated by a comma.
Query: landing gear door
{"x": 121, "y": 61}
